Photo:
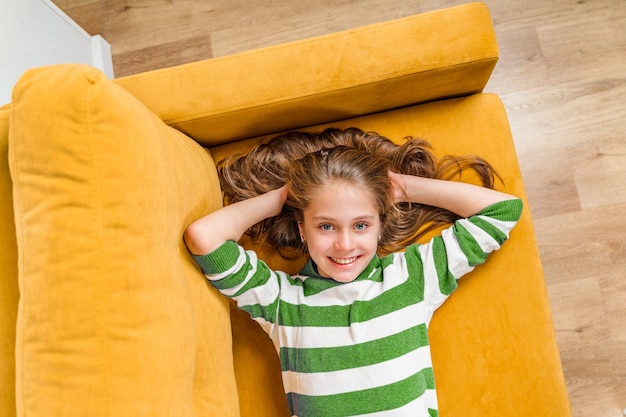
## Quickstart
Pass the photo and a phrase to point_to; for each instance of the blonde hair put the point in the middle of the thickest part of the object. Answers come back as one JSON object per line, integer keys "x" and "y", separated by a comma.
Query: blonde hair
{"x": 306, "y": 161}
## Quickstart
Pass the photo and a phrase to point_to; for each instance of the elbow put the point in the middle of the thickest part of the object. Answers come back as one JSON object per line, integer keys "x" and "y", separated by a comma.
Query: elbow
{"x": 191, "y": 237}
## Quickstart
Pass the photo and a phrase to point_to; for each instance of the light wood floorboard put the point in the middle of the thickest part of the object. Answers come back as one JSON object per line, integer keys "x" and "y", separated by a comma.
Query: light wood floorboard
{"x": 562, "y": 77}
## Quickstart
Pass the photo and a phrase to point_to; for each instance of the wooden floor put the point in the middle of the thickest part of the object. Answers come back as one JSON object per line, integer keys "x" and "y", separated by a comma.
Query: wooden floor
{"x": 562, "y": 76}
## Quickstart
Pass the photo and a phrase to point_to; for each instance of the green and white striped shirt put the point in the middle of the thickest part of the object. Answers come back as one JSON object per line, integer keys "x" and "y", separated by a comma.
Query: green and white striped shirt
{"x": 360, "y": 348}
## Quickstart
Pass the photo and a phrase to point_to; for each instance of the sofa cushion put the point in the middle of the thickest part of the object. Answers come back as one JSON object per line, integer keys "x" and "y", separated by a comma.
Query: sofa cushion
{"x": 114, "y": 318}
{"x": 8, "y": 277}
{"x": 493, "y": 344}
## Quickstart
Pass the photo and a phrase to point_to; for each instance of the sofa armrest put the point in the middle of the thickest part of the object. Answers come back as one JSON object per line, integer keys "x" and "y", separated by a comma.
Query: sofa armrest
{"x": 425, "y": 57}
{"x": 9, "y": 293}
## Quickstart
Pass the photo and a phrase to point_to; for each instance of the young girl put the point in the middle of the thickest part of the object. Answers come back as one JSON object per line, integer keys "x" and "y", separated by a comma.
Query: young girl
{"x": 351, "y": 327}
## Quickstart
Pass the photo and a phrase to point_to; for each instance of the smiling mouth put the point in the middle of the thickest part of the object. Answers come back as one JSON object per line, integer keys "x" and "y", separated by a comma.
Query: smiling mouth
{"x": 344, "y": 261}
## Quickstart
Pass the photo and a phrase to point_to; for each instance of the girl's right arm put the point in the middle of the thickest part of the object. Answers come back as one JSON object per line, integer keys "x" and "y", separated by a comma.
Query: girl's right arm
{"x": 230, "y": 222}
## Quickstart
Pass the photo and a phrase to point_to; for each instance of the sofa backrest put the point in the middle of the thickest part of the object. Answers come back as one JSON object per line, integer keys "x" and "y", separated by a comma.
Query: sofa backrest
{"x": 429, "y": 56}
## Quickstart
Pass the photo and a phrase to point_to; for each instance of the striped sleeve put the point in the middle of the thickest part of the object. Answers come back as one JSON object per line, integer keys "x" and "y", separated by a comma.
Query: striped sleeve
{"x": 463, "y": 246}
{"x": 240, "y": 275}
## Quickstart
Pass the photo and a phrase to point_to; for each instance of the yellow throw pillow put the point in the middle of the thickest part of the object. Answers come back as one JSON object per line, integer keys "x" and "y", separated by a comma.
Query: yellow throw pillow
{"x": 114, "y": 316}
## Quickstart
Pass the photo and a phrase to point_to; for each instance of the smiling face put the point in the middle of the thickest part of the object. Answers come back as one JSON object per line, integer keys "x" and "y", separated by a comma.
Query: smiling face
{"x": 341, "y": 228}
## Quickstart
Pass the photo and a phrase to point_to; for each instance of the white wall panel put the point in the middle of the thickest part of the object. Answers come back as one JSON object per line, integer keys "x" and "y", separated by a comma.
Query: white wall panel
{"x": 35, "y": 33}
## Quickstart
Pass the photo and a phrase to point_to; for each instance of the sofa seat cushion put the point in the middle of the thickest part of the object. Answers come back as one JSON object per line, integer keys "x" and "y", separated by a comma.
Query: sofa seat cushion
{"x": 114, "y": 317}
{"x": 493, "y": 343}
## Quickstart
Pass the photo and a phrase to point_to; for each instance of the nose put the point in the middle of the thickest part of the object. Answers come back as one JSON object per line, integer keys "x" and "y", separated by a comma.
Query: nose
{"x": 344, "y": 241}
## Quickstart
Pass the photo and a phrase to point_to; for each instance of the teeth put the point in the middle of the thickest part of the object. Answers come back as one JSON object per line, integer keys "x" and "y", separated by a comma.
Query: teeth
{"x": 343, "y": 261}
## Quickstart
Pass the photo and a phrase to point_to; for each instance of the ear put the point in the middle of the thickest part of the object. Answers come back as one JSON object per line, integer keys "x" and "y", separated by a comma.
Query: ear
{"x": 301, "y": 230}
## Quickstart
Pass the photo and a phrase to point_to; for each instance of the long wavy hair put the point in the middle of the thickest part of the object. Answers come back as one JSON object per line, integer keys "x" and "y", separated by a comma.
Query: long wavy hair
{"x": 306, "y": 161}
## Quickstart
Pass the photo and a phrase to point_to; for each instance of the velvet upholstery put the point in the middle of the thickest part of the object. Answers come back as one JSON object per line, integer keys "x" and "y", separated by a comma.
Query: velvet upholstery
{"x": 334, "y": 77}
{"x": 496, "y": 327}
{"x": 113, "y": 316}
{"x": 9, "y": 293}
{"x": 99, "y": 179}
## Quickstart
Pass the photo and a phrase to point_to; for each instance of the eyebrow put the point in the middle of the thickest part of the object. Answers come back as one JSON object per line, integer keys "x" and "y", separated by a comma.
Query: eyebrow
{"x": 358, "y": 218}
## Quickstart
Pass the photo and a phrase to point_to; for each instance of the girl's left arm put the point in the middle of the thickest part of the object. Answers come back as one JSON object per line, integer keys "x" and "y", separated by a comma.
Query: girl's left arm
{"x": 465, "y": 244}
{"x": 460, "y": 198}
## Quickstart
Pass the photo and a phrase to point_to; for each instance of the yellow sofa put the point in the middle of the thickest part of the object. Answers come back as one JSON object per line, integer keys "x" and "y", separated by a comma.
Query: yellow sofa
{"x": 102, "y": 310}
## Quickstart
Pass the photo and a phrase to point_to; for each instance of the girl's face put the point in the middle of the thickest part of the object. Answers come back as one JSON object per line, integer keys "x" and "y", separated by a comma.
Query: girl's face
{"x": 341, "y": 228}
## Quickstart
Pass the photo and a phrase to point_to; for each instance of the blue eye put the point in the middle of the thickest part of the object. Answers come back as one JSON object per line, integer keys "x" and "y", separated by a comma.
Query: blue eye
{"x": 326, "y": 227}
{"x": 360, "y": 226}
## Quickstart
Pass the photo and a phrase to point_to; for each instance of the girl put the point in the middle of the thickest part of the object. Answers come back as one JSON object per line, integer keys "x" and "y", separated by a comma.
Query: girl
{"x": 351, "y": 327}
